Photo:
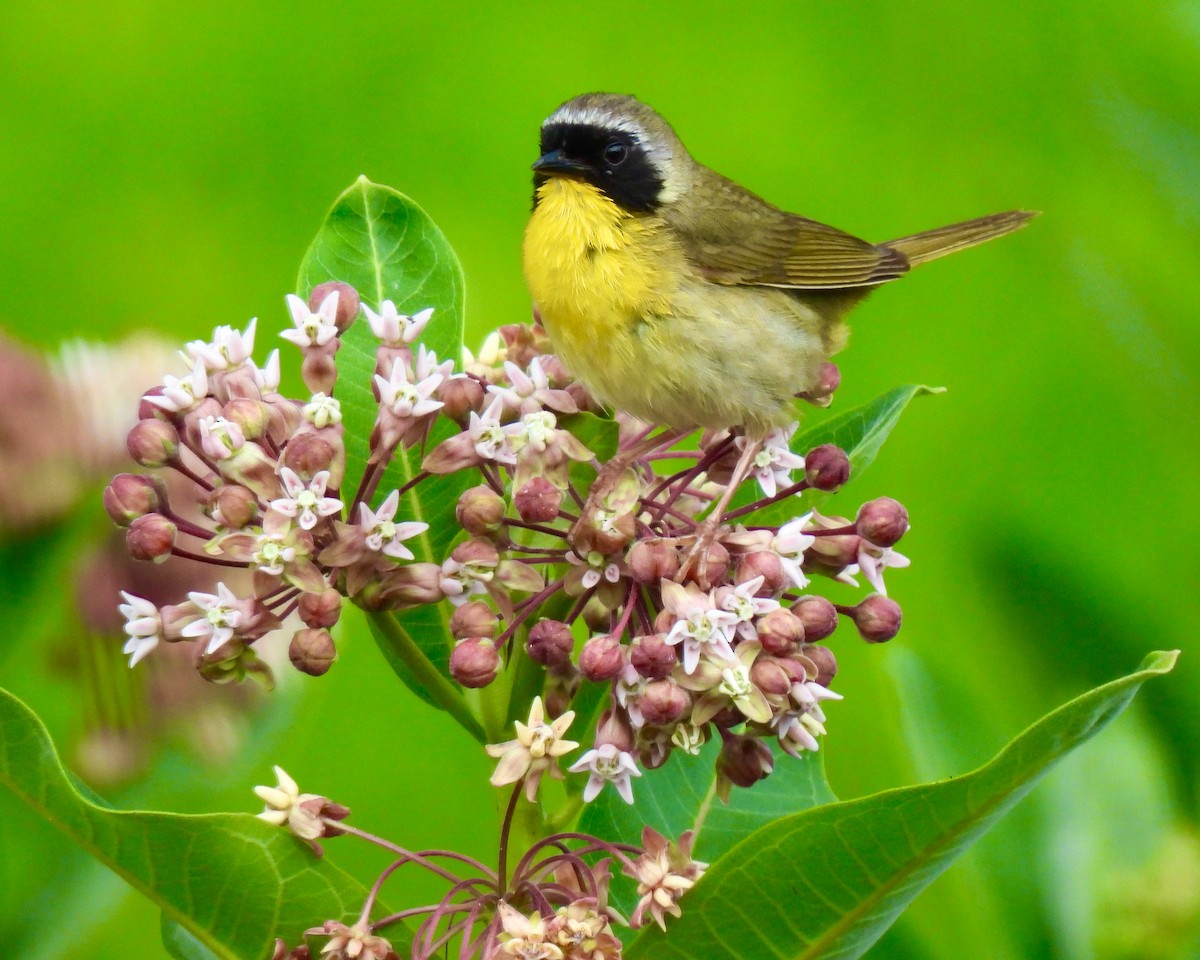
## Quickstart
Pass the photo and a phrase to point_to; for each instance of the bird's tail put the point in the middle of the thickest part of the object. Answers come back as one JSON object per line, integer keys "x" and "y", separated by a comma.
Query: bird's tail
{"x": 932, "y": 244}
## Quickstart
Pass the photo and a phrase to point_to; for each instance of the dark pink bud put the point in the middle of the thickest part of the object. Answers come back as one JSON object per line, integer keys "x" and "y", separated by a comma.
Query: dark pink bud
{"x": 744, "y": 761}
{"x": 765, "y": 564}
{"x": 476, "y": 551}
{"x": 131, "y": 495}
{"x": 780, "y": 632}
{"x": 651, "y": 561}
{"x": 151, "y": 411}
{"x": 538, "y": 501}
{"x": 460, "y": 395}
{"x": 322, "y": 609}
{"x": 602, "y": 658}
{"x": 550, "y": 642}
{"x": 312, "y": 651}
{"x": 150, "y": 537}
{"x": 771, "y": 676}
{"x": 348, "y": 305}
{"x": 474, "y": 662}
{"x": 479, "y": 511}
{"x": 664, "y": 702}
{"x": 474, "y": 619}
{"x": 819, "y": 616}
{"x": 714, "y": 564}
{"x": 877, "y": 618}
{"x": 614, "y": 729}
{"x": 308, "y": 453}
{"x": 652, "y": 656}
{"x": 233, "y": 506}
{"x": 826, "y": 467}
{"x": 825, "y": 662}
{"x": 152, "y": 443}
{"x": 883, "y": 521}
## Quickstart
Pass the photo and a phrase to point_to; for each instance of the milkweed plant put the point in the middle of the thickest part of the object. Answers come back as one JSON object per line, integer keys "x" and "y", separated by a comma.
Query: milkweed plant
{"x": 523, "y": 574}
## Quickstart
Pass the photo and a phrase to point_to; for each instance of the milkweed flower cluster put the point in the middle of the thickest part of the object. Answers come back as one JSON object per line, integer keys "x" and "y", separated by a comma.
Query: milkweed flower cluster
{"x": 571, "y": 544}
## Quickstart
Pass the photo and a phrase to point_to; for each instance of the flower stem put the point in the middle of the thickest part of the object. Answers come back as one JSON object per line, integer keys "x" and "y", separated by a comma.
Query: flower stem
{"x": 505, "y": 830}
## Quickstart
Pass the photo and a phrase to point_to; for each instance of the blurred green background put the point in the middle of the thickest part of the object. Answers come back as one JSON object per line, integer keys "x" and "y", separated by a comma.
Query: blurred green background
{"x": 165, "y": 165}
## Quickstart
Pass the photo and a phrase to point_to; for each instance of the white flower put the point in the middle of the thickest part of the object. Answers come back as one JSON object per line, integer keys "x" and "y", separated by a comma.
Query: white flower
{"x": 394, "y": 328}
{"x": 535, "y": 430}
{"x": 599, "y": 566}
{"x": 688, "y": 738}
{"x": 774, "y": 462}
{"x": 798, "y": 729}
{"x": 491, "y": 353}
{"x": 228, "y": 349}
{"x": 181, "y": 394}
{"x": 699, "y": 625}
{"x": 267, "y": 376}
{"x": 406, "y": 399}
{"x": 628, "y": 689}
{"x": 382, "y": 531}
{"x": 305, "y": 501}
{"x": 607, "y": 764}
{"x": 427, "y": 364}
{"x": 873, "y": 560}
{"x": 221, "y": 615}
{"x": 312, "y": 329}
{"x": 285, "y": 805}
{"x": 143, "y": 626}
{"x": 323, "y": 410}
{"x": 789, "y": 545}
{"x": 745, "y": 606}
{"x": 220, "y": 439}
{"x": 534, "y": 751}
{"x": 490, "y": 439}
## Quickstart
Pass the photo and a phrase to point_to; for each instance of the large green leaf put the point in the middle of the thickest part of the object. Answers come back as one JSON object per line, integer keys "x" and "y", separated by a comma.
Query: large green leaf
{"x": 828, "y": 882}
{"x": 386, "y": 247}
{"x": 232, "y": 882}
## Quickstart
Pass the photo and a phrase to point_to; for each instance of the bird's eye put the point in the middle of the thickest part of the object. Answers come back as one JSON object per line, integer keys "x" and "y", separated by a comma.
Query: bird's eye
{"x": 615, "y": 153}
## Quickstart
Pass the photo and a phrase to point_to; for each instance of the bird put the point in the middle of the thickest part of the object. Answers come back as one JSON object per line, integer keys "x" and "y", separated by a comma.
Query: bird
{"x": 678, "y": 296}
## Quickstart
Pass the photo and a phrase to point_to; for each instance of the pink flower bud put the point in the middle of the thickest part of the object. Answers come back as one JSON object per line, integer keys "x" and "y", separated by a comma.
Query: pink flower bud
{"x": 883, "y": 521}
{"x": 150, "y": 537}
{"x": 653, "y": 560}
{"x": 307, "y": 454}
{"x": 714, "y": 565}
{"x": 411, "y": 585}
{"x": 780, "y": 632}
{"x": 477, "y": 552}
{"x": 479, "y": 511}
{"x": 312, "y": 651}
{"x": 130, "y": 496}
{"x": 348, "y": 303}
{"x": 877, "y": 618}
{"x": 771, "y": 677}
{"x": 474, "y": 619}
{"x": 831, "y": 555}
{"x": 538, "y": 501}
{"x": 765, "y": 564}
{"x": 819, "y": 616}
{"x": 550, "y": 642}
{"x": 602, "y": 658}
{"x": 250, "y": 415}
{"x": 744, "y": 761}
{"x": 151, "y": 411}
{"x": 825, "y": 662}
{"x": 460, "y": 396}
{"x": 652, "y": 656}
{"x": 233, "y": 506}
{"x": 826, "y": 467}
{"x": 153, "y": 443}
{"x": 319, "y": 610}
{"x": 664, "y": 702}
{"x": 474, "y": 662}
{"x": 614, "y": 729}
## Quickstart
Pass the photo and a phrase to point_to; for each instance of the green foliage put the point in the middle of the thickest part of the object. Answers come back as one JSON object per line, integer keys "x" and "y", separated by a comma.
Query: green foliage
{"x": 231, "y": 882}
{"x": 828, "y": 882}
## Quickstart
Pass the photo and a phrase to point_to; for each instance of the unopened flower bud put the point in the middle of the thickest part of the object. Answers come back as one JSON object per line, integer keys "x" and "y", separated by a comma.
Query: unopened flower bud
{"x": 308, "y": 453}
{"x": 652, "y": 656}
{"x": 411, "y": 585}
{"x": 320, "y": 609}
{"x": 538, "y": 501}
{"x": 130, "y": 496}
{"x": 250, "y": 415}
{"x": 826, "y": 467}
{"x": 460, "y": 395}
{"x": 832, "y": 554}
{"x": 614, "y": 729}
{"x": 474, "y": 662}
{"x": 232, "y": 506}
{"x": 150, "y": 537}
{"x": 883, "y": 521}
{"x": 780, "y": 632}
{"x": 825, "y": 662}
{"x": 550, "y": 642}
{"x": 348, "y": 304}
{"x": 877, "y": 618}
{"x": 819, "y": 616}
{"x": 312, "y": 651}
{"x": 664, "y": 702}
{"x": 597, "y": 612}
{"x": 771, "y": 676}
{"x": 744, "y": 761}
{"x": 479, "y": 511}
{"x": 765, "y": 564}
{"x": 474, "y": 619}
{"x": 713, "y": 564}
{"x": 651, "y": 561}
{"x": 152, "y": 443}
{"x": 602, "y": 658}
{"x": 476, "y": 552}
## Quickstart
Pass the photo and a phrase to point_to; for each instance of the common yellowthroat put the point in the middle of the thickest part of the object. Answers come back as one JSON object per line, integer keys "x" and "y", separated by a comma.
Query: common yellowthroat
{"x": 680, "y": 297}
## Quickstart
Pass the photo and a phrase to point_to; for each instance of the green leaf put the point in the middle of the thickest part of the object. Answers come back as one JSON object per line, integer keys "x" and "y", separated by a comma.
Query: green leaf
{"x": 386, "y": 247}
{"x": 181, "y": 944}
{"x": 828, "y": 882}
{"x": 231, "y": 881}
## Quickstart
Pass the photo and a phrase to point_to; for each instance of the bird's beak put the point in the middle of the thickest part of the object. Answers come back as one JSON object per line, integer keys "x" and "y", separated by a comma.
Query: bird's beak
{"x": 556, "y": 162}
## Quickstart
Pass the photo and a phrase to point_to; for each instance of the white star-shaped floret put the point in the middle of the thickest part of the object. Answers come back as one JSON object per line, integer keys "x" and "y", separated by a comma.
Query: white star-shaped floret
{"x": 406, "y": 399}
{"x": 699, "y": 626}
{"x": 789, "y": 545}
{"x": 383, "y": 533}
{"x": 489, "y": 437}
{"x": 427, "y": 364}
{"x": 267, "y": 376}
{"x": 873, "y": 560}
{"x": 395, "y": 328}
{"x": 741, "y": 601}
{"x": 323, "y": 410}
{"x": 143, "y": 626}
{"x": 220, "y": 439}
{"x": 774, "y": 462}
{"x": 220, "y": 616}
{"x": 305, "y": 503}
{"x": 285, "y": 806}
{"x": 227, "y": 350}
{"x": 607, "y": 764}
{"x": 312, "y": 329}
{"x": 181, "y": 394}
